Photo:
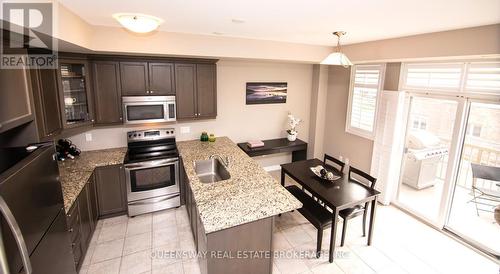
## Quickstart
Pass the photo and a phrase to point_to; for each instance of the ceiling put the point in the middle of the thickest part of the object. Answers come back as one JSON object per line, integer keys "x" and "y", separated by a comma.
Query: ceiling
{"x": 299, "y": 21}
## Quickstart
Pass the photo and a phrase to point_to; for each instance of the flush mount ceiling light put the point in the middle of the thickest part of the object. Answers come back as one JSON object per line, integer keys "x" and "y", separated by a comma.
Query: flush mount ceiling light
{"x": 337, "y": 58}
{"x": 140, "y": 23}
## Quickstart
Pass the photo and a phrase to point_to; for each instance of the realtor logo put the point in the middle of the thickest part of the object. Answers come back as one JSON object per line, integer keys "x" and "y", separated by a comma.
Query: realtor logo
{"x": 27, "y": 26}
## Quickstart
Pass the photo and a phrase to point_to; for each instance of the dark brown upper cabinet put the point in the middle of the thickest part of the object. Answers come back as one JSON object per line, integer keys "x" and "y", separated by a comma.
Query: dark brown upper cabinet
{"x": 46, "y": 101}
{"x": 146, "y": 79}
{"x": 134, "y": 78}
{"x": 15, "y": 98}
{"x": 185, "y": 85}
{"x": 74, "y": 93}
{"x": 161, "y": 79}
{"x": 196, "y": 94}
{"x": 207, "y": 90}
{"x": 107, "y": 92}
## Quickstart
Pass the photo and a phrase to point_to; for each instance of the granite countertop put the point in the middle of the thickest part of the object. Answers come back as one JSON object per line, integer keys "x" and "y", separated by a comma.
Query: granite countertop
{"x": 249, "y": 195}
{"x": 75, "y": 173}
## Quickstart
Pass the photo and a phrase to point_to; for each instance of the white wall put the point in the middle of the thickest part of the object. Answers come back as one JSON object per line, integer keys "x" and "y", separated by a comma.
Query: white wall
{"x": 235, "y": 119}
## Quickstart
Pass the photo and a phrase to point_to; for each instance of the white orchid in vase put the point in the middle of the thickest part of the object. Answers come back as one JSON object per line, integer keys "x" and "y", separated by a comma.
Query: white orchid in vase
{"x": 293, "y": 122}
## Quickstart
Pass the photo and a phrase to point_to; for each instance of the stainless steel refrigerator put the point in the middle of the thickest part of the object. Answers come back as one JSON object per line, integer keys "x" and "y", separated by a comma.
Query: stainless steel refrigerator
{"x": 34, "y": 236}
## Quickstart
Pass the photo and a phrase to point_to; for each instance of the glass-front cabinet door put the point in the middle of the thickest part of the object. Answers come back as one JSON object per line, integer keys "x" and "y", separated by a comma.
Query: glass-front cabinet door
{"x": 75, "y": 97}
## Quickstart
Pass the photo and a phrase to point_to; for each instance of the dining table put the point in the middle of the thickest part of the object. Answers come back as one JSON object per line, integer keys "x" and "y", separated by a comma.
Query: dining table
{"x": 338, "y": 194}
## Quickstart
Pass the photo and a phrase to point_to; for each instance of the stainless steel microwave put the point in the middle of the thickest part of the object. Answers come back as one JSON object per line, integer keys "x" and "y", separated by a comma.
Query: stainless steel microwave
{"x": 148, "y": 109}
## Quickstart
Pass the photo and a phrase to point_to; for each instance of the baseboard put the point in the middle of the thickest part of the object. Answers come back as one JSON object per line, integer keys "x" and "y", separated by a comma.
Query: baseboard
{"x": 272, "y": 168}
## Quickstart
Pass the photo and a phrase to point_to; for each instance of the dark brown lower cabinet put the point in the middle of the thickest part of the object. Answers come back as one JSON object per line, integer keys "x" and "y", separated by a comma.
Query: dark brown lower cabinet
{"x": 94, "y": 207}
{"x": 80, "y": 225}
{"x": 102, "y": 196}
{"x": 243, "y": 241}
{"x": 111, "y": 190}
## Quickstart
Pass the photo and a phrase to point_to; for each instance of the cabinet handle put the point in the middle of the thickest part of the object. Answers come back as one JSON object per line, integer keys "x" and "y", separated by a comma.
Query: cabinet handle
{"x": 147, "y": 91}
{"x": 70, "y": 230}
{"x": 121, "y": 118}
{"x": 151, "y": 91}
{"x": 93, "y": 120}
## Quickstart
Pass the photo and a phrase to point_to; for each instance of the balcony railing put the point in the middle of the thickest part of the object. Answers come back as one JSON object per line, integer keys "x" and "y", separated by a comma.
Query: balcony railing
{"x": 470, "y": 154}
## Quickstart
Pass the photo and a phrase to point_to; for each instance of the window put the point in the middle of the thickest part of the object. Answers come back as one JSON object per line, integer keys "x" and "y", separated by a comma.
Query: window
{"x": 419, "y": 122}
{"x": 483, "y": 77}
{"x": 366, "y": 82}
{"x": 439, "y": 76}
{"x": 474, "y": 130}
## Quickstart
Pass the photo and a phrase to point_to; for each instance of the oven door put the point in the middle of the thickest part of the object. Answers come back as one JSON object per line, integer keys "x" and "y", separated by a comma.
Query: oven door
{"x": 145, "y": 112}
{"x": 152, "y": 179}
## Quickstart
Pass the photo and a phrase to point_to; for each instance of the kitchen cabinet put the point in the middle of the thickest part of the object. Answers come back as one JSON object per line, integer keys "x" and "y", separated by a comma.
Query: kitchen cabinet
{"x": 107, "y": 92}
{"x": 161, "y": 79}
{"x": 195, "y": 86}
{"x": 111, "y": 190}
{"x": 134, "y": 78}
{"x": 206, "y": 99}
{"x": 185, "y": 86}
{"x": 46, "y": 102}
{"x": 74, "y": 93}
{"x": 147, "y": 78}
{"x": 94, "y": 207}
{"x": 250, "y": 237}
{"x": 86, "y": 223}
{"x": 80, "y": 225}
{"x": 15, "y": 98}
{"x": 54, "y": 245}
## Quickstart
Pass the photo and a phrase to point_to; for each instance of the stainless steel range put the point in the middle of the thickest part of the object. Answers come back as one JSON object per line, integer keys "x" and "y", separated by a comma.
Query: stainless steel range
{"x": 152, "y": 171}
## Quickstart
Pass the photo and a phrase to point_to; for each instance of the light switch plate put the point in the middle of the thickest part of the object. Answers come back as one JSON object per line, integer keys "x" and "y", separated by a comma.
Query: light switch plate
{"x": 185, "y": 130}
{"x": 88, "y": 137}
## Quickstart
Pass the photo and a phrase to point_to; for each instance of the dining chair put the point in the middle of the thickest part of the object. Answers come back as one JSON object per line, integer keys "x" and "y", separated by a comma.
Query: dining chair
{"x": 334, "y": 160}
{"x": 349, "y": 213}
{"x": 488, "y": 193}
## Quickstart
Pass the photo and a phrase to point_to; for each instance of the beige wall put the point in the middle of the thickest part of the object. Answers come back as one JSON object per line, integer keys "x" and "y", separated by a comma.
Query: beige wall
{"x": 477, "y": 41}
{"x": 235, "y": 119}
{"x": 468, "y": 42}
{"x": 337, "y": 142}
{"x": 318, "y": 108}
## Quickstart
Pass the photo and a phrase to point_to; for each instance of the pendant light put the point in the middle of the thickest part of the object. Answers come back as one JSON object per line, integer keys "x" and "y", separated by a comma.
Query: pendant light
{"x": 337, "y": 58}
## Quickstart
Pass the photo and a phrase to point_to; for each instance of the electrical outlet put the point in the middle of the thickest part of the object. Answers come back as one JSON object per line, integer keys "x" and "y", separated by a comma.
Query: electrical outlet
{"x": 88, "y": 137}
{"x": 185, "y": 130}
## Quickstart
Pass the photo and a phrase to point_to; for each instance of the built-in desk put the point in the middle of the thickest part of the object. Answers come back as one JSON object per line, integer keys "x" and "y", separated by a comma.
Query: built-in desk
{"x": 280, "y": 145}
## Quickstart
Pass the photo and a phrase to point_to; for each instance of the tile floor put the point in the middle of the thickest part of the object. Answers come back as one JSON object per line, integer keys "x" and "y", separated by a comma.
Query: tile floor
{"x": 401, "y": 244}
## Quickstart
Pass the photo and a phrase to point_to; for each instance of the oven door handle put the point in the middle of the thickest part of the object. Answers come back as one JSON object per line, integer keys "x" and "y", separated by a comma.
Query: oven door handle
{"x": 155, "y": 163}
{"x": 154, "y": 200}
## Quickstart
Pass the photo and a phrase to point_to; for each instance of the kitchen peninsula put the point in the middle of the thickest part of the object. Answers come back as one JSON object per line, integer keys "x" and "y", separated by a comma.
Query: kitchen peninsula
{"x": 235, "y": 215}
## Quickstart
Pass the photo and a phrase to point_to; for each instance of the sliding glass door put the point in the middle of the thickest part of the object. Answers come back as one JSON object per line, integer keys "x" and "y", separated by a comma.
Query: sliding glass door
{"x": 471, "y": 215}
{"x": 426, "y": 172}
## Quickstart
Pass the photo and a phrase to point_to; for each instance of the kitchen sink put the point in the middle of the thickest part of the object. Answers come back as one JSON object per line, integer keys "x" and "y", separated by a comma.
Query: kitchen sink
{"x": 211, "y": 171}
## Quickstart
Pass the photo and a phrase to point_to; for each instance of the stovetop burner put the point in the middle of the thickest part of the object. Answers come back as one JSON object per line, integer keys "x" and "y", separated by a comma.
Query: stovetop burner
{"x": 147, "y": 145}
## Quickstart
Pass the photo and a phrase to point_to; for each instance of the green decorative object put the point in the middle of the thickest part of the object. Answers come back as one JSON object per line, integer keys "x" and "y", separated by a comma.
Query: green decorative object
{"x": 204, "y": 137}
{"x": 211, "y": 138}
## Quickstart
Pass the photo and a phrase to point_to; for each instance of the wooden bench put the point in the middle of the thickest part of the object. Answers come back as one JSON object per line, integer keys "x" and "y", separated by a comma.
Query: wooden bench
{"x": 316, "y": 214}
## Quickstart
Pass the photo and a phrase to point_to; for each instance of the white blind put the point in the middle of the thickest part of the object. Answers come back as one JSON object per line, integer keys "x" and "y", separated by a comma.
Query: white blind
{"x": 366, "y": 85}
{"x": 483, "y": 77}
{"x": 438, "y": 76}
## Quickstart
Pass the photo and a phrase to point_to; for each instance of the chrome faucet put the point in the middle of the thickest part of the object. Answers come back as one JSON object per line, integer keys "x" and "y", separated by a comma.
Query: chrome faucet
{"x": 225, "y": 161}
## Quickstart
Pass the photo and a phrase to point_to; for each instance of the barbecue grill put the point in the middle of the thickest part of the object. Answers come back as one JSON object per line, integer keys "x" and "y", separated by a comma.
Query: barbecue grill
{"x": 424, "y": 151}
